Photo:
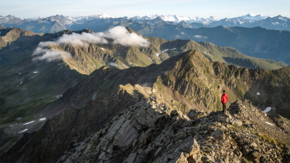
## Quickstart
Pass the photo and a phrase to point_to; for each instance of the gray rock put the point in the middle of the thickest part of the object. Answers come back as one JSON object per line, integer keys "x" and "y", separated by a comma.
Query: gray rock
{"x": 222, "y": 118}
{"x": 157, "y": 151}
{"x": 237, "y": 122}
{"x": 218, "y": 134}
{"x": 126, "y": 135}
{"x": 181, "y": 159}
{"x": 130, "y": 158}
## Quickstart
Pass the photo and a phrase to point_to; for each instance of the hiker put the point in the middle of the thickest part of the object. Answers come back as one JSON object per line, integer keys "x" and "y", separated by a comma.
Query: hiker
{"x": 224, "y": 100}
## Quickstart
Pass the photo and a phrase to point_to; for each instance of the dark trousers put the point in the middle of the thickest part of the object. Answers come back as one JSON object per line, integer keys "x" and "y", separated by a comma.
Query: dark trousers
{"x": 224, "y": 107}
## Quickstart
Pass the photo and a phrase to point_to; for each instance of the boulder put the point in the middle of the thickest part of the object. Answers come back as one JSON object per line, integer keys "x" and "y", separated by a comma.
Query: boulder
{"x": 218, "y": 134}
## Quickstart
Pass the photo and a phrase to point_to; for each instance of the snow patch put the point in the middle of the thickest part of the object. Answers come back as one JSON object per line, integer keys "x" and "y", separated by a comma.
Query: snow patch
{"x": 23, "y": 130}
{"x": 283, "y": 19}
{"x": 267, "y": 110}
{"x": 35, "y": 72}
{"x": 18, "y": 118}
{"x": 258, "y": 93}
{"x": 103, "y": 49}
{"x": 269, "y": 123}
{"x": 275, "y": 23}
{"x": 58, "y": 96}
{"x": 42, "y": 119}
{"x": 28, "y": 123}
{"x": 158, "y": 54}
{"x": 75, "y": 68}
{"x": 165, "y": 50}
{"x": 173, "y": 49}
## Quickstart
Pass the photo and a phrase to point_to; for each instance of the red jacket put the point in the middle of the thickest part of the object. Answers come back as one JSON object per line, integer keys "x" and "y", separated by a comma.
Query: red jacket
{"x": 224, "y": 98}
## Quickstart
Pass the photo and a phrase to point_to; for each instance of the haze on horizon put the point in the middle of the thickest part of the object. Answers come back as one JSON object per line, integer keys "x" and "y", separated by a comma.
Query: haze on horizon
{"x": 191, "y": 8}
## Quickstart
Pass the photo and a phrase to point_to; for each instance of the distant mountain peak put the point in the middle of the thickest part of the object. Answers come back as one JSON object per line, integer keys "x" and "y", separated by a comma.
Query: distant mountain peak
{"x": 104, "y": 15}
{"x": 251, "y": 17}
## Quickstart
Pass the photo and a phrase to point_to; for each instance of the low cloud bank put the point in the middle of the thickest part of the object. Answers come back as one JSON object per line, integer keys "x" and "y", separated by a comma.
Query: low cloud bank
{"x": 200, "y": 36}
{"x": 49, "y": 54}
{"x": 119, "y": 35}
{"x": 113, "y": 64}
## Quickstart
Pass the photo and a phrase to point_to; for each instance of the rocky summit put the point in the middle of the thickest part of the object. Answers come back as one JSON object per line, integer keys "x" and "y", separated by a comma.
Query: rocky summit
{"x": 151, "y": 131}
{"x": 165, "y": 113}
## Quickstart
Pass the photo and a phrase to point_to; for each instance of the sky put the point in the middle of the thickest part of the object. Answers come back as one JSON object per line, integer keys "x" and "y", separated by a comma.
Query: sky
{"x": 192, "y": 8}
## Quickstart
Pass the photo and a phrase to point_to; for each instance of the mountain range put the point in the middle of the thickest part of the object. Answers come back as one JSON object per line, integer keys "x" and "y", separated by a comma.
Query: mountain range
{"x": 62, "y": 93}
{"x": 24, "y": 79}
{"x": 250, "y": 40}
{"x": 59, "y": 22}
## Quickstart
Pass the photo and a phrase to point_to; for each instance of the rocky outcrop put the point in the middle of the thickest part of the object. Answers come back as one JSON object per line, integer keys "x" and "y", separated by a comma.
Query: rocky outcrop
{"x": 150, "y": 131}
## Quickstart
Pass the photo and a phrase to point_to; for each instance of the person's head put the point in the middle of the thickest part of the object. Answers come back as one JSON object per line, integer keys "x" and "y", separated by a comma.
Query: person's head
{"x": 224, "y": 91}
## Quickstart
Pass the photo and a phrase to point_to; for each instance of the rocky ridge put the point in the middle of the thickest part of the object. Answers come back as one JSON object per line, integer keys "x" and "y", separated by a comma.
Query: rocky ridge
{"x": 183, "y": 82}
{"x": 151, "y": 131}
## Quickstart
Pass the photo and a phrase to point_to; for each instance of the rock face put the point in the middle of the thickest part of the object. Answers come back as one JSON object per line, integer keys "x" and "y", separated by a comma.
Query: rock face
{"x": 150, "y": 131}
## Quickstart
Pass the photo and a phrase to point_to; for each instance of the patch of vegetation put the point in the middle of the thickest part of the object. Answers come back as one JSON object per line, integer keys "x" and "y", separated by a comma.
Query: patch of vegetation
{"x": 27, "y": 109}
{"x": 273, "y": 141}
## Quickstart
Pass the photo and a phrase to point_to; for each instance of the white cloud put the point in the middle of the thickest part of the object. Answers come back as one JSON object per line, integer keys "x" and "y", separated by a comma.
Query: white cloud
{"x": 200, "y": 36}
{"x": 49, "y": 54}
{"x": 112, "y": 64}
{"x": 182, "y": 33}
{"x": 119, "y": 35}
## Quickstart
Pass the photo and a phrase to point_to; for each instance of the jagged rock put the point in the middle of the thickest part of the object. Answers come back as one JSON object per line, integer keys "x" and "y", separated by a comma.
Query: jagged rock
{"x": 126, "y": 135}
{"x": 237, "y": 122}
{"x": 143, "y": 134}
{"x": 181, "y": 159}
{"x": 192, "y": 114}
{"x": 223, "y": 118}
{"x": 218, "y": 134}
{"x": 254, "y": 156}
{"x": 130, "y": 158}
{"x": 168, "y": 140}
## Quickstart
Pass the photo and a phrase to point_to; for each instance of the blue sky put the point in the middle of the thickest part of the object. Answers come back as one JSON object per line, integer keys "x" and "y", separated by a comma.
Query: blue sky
{"x": 200, "y": 8}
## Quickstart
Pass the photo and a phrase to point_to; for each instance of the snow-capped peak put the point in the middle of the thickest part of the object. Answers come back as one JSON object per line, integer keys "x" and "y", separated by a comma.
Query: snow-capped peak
{"x": 104, "y": 15}
{"x": 252, "y": 17}
{"x": 176, "y": 19}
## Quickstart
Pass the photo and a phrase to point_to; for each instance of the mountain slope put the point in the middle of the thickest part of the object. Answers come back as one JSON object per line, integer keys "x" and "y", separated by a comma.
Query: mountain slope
{"x": 233, "y": 56}
{"x": 255, "y": 42}
{"x": 9, "y": 35}
{"x": 182, "y": 83}
{"x": 94, "y": 56}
